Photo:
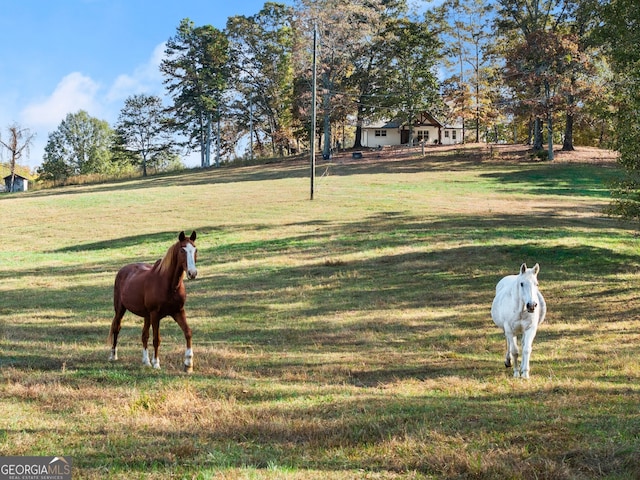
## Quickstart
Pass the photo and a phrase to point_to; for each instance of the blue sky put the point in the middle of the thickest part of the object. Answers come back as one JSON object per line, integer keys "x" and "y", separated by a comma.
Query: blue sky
{"x": 61, "y": 56}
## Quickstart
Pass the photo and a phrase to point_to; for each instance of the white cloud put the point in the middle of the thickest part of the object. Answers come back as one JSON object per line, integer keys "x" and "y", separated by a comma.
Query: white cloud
{"x": 146, "y": 78}
{"x": 74, "y": 92}
{"x": 80, "y": 92}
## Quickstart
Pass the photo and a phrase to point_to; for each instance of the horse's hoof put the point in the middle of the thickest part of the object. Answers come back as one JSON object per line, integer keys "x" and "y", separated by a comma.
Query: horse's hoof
{"x": 188, "y": 369}
{"x": 507, "y": 364}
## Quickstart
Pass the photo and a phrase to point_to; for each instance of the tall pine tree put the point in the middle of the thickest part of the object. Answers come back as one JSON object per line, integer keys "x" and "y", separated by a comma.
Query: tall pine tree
{"x": 196, "y": 71}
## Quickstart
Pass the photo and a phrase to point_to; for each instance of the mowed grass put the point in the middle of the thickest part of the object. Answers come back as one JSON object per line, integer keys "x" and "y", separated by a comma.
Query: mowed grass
{"x": 345, "y": 337}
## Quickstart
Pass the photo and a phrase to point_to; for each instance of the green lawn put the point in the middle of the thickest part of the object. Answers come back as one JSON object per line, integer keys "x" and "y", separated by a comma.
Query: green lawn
{"x": 344, "y": 337}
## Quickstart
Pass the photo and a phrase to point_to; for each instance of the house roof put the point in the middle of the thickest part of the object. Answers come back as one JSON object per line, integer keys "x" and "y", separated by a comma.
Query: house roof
{"x": 383, "y": 124}
{"x": 423, "y": 119}
{"x": 17, "y": 175}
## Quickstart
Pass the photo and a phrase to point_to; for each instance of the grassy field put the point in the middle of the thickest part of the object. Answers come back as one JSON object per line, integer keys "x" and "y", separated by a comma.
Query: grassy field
{"x": 344, "y": 337}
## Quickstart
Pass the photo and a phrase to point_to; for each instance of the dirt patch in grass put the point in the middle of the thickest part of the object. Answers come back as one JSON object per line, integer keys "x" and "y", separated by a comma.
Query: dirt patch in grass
{"x": 587, "y": 155}
{"x": 477, "y": 152}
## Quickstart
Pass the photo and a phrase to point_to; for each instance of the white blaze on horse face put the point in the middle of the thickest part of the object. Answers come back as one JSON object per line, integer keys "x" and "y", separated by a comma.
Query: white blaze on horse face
{"x": 192, "y": 271}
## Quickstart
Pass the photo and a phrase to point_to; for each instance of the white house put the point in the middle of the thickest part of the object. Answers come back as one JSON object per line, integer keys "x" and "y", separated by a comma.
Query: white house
{"x": 425, "y": 129}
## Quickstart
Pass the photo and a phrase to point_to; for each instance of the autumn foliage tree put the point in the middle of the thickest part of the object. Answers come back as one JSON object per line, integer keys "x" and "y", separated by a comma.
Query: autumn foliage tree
{"x": 548, "y": 59}
{"x": 538, "y": 69}
{"x": 262, "y": 72}
{"x": 353, "y": 60}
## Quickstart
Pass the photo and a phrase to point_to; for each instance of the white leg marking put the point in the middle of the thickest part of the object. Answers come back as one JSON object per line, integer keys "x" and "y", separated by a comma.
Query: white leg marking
{"x": 188, "y": 357}
{"x": 145, "y": 358}
{"x": 114, "y": 355}
{"x": 156, "y": 363}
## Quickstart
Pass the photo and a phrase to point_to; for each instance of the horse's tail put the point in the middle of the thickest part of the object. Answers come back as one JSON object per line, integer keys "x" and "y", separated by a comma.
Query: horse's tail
{"x": 119, "y": 311}
{"x": 110, "y": 337}
{"x": 115, "y": 325}
{"x": 543, "y": 308}
{"x": 112, "y": 330}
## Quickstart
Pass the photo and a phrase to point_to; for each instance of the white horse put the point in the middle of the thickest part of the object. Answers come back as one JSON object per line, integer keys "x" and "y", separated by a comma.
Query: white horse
{"x": 519, "y": 308}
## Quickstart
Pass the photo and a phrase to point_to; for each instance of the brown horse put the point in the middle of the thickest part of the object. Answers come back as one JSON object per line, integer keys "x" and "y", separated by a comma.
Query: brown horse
{"x": 154, "y": 292}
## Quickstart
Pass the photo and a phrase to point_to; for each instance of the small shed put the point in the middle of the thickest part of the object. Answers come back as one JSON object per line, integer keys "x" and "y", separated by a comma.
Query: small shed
{"x": 20, "y": 183}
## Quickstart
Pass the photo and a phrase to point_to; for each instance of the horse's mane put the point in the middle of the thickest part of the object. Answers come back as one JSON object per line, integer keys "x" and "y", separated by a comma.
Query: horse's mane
{"x": 166, "y": 265}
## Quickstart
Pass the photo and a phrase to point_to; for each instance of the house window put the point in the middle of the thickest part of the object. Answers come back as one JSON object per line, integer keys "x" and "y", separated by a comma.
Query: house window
{"x": 453, "y": 134}
{"x": 381, "y": 133}
{"x": 446, "y": 134}
{"x": 422, "y": 135}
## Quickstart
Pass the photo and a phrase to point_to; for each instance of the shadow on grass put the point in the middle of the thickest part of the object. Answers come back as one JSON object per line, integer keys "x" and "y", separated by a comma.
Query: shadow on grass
{"x": 167, "y": 238}
{"x": 559, "y": 179}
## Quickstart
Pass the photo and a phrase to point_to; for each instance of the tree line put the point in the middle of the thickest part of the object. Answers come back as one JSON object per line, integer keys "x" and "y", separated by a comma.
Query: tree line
{"x": 537, "y": 71}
